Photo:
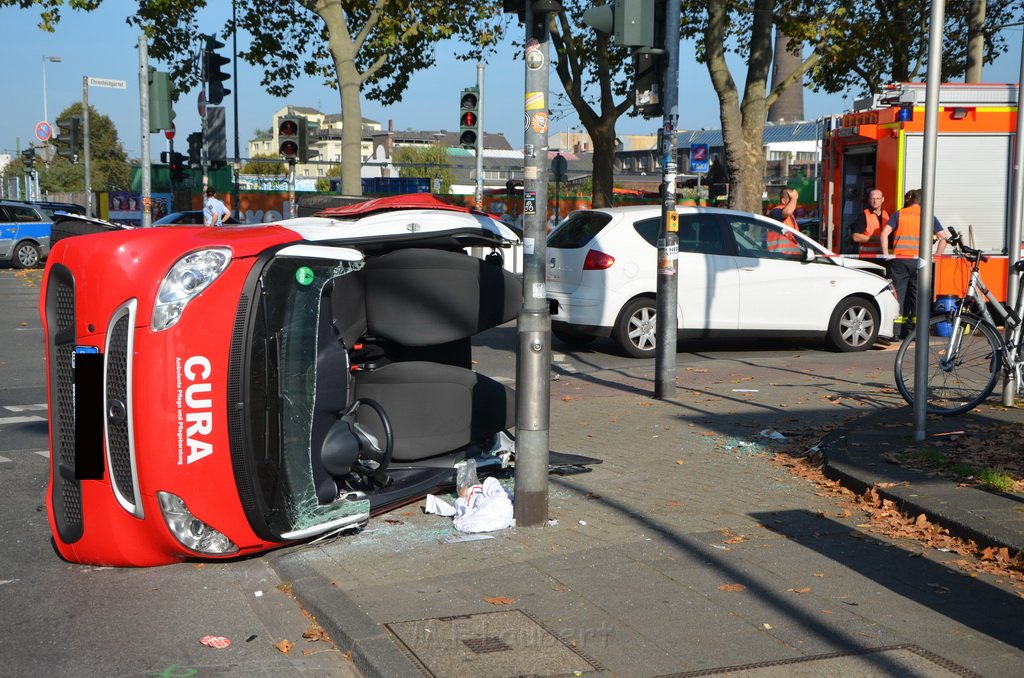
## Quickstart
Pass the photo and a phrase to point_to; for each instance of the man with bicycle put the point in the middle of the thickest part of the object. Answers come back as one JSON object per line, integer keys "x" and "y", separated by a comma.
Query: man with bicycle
{"x": 904, "y": 227}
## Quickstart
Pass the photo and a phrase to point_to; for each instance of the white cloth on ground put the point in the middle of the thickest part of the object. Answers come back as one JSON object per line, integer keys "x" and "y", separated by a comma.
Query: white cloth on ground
{"x": 485, "y": 508}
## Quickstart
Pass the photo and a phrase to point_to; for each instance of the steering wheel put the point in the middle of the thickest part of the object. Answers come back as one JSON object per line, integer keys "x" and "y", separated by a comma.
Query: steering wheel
{"x": 368, "y": 447}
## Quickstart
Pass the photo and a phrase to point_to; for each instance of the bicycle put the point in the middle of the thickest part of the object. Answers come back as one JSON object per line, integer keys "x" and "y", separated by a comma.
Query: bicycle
{"x": 966, "y": 350}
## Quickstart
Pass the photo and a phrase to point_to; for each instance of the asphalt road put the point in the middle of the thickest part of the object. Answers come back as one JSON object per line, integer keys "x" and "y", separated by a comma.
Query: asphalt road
{"x": 61, "y": 619}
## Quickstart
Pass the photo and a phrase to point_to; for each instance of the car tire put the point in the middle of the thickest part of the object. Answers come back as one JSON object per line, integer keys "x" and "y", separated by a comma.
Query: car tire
{"x": 571, "y": 337}
{"x": 854, "y": 326}
{"x": 635, "y": 329}
{"x": 25, "y": 255}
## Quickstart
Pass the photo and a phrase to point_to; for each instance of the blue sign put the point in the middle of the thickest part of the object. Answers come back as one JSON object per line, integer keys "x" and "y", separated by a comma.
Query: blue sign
{"x": 699, "y": 158}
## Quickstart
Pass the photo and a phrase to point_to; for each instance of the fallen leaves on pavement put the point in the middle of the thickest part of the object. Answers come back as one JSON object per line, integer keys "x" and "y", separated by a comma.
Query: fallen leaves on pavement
{"x": 732, "y": 587}
{"x": 500, "y": 600}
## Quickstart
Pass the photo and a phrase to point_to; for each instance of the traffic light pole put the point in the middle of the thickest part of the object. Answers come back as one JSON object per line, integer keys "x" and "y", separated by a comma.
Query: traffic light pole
{"x": 668, "y": 238}
{"x": 479, "y": 194}
{"x": 85, "y": 147}
{"x": 533, "y": 325}
{"x": 147, "y": 189}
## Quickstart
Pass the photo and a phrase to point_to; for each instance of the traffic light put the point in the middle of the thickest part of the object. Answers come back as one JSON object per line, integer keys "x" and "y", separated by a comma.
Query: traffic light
{"x": 28, "y": 158}
{"x": 291, "y": 137}
{"x": 177, "y": 166}
{"x": 212, "y": 73}
{"x": 469, "y": 117}
{"x": 648, "y": 78}
{"x": 69, "y": 136}
{"x": 631, "y": 23}
{"x": 161, "y": 94}
{"x": 195, "y": 149}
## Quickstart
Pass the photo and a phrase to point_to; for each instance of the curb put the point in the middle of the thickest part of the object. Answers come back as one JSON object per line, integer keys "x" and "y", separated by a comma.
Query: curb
{"x": 372, "y": 649}
{"x": 942, "y": 504}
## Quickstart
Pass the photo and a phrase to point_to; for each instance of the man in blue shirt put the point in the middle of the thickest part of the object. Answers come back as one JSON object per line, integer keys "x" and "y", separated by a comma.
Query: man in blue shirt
{"x": 214, "y": 211}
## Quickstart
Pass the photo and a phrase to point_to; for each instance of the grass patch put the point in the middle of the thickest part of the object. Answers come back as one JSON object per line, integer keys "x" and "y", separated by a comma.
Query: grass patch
{"x": 929, "y": 455}
{"x": 1000, "y": 481}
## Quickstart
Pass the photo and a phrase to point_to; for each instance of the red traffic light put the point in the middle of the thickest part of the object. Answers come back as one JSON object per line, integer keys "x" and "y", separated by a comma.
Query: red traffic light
{"x": 289, "y": 149}
{"x": 469, "y": 119}
{"x": 288, "y": 128}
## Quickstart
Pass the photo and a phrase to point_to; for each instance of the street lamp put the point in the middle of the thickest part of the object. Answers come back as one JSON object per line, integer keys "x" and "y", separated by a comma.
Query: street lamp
{"x": 56, "y": 60}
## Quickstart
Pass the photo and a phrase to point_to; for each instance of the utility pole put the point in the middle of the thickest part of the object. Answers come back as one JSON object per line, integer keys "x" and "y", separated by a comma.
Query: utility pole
{"x": 668, "y": 239}
{"x": 85, "y": 147}
{"x": 147, "y": 191}
{"x": 479, "y": 196}
{"x": 533, "y": 360}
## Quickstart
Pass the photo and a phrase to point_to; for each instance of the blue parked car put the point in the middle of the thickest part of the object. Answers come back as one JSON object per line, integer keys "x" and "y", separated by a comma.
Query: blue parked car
{"x": 24, "y": 234}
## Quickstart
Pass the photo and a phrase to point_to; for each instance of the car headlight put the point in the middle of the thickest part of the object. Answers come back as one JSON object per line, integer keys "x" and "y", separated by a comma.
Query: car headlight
{"x": 189, "y": 276}
{"x": 193, "y": 533}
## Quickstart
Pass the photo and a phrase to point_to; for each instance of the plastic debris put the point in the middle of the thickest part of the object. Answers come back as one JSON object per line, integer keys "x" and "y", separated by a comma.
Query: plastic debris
{"x": 459, "y": 538}
{"x": 583, "y": 522}
{"x": 552, "y": 522}
{"x": 258, "y": 594}
{"x": 771, "y": 434}
{"x": 746, "y": 390}
{"x": 483, "y": 508}
{"x": 217, "y": 642}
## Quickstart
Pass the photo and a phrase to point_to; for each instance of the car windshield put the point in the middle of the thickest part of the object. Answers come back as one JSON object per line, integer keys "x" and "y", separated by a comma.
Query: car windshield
{"x": 292, "y": 294}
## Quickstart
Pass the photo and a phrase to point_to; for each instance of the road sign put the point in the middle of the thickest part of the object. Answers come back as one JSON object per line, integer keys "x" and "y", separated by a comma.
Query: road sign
{"x": 699, "y": 158}
{"x": 107, "y": 82}
{"x": 201, "y": 104}
{"x": 169, "y": 133}
{"x": 43, "y": 131}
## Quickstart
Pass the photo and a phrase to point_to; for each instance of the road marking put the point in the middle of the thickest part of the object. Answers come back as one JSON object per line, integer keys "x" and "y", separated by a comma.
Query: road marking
{"x": 3, "y": 459}
{"x": 43, "y": 453}
{"x": 19, "y": 420}
{"x": 26, "y": 408}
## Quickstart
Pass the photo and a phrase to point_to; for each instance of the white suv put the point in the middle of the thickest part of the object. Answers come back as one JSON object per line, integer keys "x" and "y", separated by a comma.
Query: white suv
{"x": 734, "y": 279}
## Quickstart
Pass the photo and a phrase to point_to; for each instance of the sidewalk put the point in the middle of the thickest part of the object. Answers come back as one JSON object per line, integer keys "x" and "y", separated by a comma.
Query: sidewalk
{"x": 685, "y": 552}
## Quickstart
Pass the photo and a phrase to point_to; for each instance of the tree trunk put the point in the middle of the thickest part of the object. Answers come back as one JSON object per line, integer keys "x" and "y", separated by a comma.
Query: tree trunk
{"x": 602, "y": 134}
{"x": 343, "y": 51}
{"x": 975, "y": 41}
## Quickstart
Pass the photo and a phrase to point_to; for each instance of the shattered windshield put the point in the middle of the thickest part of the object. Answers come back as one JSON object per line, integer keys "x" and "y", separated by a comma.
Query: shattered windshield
{"x": 293, "y": 307}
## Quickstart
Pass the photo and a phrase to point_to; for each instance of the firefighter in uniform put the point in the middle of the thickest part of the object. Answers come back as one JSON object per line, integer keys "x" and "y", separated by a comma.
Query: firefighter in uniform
{"x": 867, "y": 230}
{"x": 905, "y": 228}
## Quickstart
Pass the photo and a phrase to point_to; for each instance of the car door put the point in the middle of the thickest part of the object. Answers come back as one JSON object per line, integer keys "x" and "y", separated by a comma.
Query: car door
{"x": 708, "y": 275}
{"x": 778, "y": 288}
{"x": 8, "y": 232}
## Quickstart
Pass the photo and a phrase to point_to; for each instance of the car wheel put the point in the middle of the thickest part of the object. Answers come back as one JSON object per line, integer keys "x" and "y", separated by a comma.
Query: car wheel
{"x": 26, "y": 255}
{"x": 854, "y": 325}
{"x": 635, "y": 330}
{"x": 571, "y": 337}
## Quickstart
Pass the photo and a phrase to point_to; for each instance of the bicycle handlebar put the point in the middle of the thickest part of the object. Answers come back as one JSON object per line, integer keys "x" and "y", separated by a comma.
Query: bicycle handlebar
{"x": 957, "y": 241}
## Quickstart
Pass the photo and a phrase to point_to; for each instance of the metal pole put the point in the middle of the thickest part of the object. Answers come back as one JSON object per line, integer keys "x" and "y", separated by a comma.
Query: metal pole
{"x": 147, "y": 192}
{"x": 292, "y": 213}
{"x": 668, "y": 240}
{"x": 85, "y": 147}
{"x": 236, "y": 170}
{"x": 479, "y": 196}
{"x": 533, "y": 325}
{"x": 924, "y": 262}
{"x": 1014, "y": 236}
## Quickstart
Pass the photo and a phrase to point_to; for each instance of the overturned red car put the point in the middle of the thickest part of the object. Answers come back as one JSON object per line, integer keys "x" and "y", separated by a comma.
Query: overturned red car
{"x": 219, "y": 392}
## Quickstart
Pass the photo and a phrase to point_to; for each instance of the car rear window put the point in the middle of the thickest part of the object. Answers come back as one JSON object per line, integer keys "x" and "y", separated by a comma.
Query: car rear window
{"x": 578, "y": 229}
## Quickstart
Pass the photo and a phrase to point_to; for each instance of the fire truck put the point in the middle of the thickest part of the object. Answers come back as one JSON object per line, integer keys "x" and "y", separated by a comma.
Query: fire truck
{"x": 880, "y": 144}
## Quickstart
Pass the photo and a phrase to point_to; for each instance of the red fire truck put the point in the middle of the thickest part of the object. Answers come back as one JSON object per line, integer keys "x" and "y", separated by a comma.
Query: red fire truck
{"x": 881, "y": 145}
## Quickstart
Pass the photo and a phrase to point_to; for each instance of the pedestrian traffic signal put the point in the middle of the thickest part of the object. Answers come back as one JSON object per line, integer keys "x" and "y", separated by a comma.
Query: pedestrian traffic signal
{"x": 631, "y": 23}
{"x": 195, "y": 149}
{"x": 291, "y": 138}
{"x": 69, "y": 136}
{"x": 212, "y": 73}
{"x": 177, "y": 166}
{"x": 28, "y": 158}
{"x": 469, "y": 117}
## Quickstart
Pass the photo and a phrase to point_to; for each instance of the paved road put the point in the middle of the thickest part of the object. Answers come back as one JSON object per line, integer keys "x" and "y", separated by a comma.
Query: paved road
{"x": 61, "y": 619}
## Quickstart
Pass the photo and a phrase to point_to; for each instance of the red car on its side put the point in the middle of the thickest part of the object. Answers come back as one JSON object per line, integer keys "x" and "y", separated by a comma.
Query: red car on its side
{"x": 219, "y": 392}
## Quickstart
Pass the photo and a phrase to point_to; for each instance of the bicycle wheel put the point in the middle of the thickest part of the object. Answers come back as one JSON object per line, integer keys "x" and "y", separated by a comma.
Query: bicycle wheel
{"x": 962, "y": 370}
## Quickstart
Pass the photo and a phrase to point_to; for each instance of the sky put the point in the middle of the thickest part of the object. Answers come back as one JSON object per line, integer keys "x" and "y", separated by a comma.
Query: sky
{"x": 100, "y": 44}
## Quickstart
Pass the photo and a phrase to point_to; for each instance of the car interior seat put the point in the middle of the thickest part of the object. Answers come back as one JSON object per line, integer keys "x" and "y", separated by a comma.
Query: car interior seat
{"x": 396, "y": 335}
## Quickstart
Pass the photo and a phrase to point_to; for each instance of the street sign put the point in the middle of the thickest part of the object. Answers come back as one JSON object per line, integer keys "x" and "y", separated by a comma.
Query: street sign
{"x": 43, "y": 131}
{"x": 699, "y": 158}
{"x": 169, "y": 133}
{"x": 201, "y": 104}
{"x": 106, "y": 82}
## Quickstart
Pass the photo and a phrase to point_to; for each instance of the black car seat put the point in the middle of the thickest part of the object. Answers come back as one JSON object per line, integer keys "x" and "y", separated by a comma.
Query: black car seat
{"x": 402, "y": 328}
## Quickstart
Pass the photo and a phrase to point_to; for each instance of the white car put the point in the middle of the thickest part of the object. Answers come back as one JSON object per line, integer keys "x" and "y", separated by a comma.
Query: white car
{"x": 739, "y": 274}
